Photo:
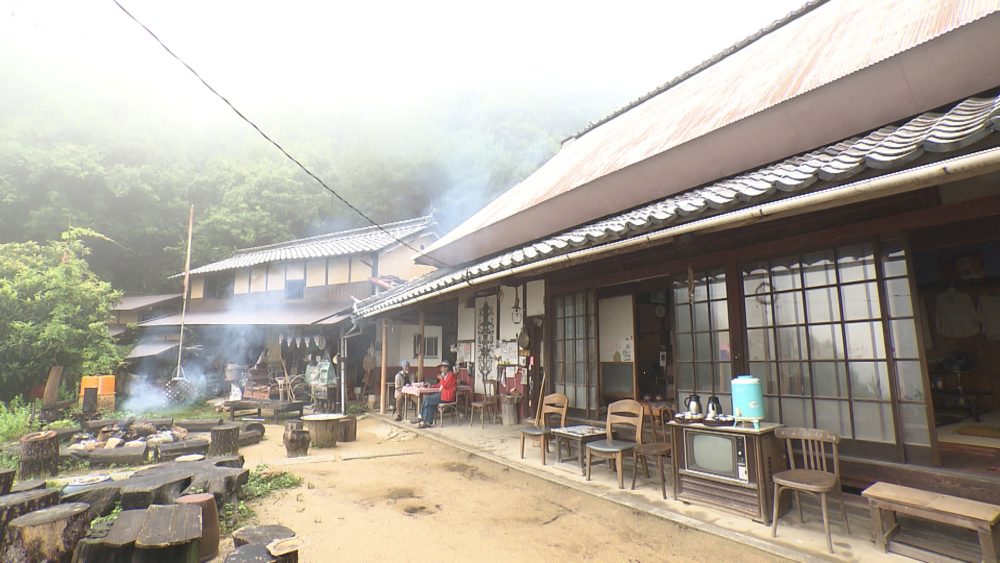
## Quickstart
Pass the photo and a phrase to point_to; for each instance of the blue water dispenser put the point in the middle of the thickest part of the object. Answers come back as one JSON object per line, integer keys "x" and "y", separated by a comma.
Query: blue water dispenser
{"x": 748, "y": 400}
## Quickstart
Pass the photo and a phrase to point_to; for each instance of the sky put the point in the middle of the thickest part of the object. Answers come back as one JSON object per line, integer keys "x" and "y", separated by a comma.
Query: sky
{"x": 379, "y": 72}
{"x": 372, "y": 55}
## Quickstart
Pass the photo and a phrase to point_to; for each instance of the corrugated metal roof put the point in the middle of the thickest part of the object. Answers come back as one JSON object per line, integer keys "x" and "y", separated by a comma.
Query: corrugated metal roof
{"x": 134, "y": 302}
{"x": 826, "y": 44}
{"x": 151, "y": 348}
{"x": 893, "y": 146}
{"x": 342, "y": 243}
{"x": 292, "y": 314}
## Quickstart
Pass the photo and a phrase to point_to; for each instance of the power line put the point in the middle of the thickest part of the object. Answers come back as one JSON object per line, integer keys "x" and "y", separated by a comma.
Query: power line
{"x": 269, "y": 139}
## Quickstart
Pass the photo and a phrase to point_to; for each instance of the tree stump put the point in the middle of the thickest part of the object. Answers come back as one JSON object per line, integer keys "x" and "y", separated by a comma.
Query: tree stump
{"x": 198, "y": 424}
{"x": 169, "y": 534}
{"x": 112, "y": 542}
{"x": 249, "y": 437}
{"x": 250, "y": 553}
{"x": 39, "y": 454}
{"x": 252, "y": 427}
{"x": 225, "y": 440}
{"x": 322, "y": 429}
{"x": 285, "y": 550}
{"x": 49, "y": 534}
{"x": 6, "y": 481}
{"x": 209, "y": 545}
{"x": 14, "y": 505}
{"x": 261, "y": 535}
{"x": 347, "y": 428}
{"x": 29, "y": 485}
{"x": 296, "y": 439}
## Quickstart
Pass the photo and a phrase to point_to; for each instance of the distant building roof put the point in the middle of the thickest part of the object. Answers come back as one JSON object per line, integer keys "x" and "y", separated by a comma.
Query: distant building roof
{"x": 889, "y": 147}
{"x": 289, "y": 314}
{"x": 342, "y": 243}
{"x": 136, "y": 302}
{"x": 829, "y": 71}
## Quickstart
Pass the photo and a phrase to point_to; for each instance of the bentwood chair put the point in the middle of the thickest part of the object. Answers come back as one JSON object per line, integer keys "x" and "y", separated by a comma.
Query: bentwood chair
{"x": 626, "y": 412}
{"x": 659, "y": 449}
{"x": 555, "y": 404}
{"x": 818, "y": 476}
{"x": 489, "y": 402}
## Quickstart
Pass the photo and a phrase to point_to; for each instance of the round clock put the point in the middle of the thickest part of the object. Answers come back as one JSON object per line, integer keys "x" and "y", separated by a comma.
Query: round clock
{"x": 660, "y": 311}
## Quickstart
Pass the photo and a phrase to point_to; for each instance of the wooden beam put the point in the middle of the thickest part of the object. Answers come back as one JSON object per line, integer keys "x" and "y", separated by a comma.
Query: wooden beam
{"x": 420, "y": 349}
{"x": 383, "y": 381}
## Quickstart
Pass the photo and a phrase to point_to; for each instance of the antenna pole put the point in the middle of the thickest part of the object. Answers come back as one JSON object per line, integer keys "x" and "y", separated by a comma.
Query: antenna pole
{"x": 184, "y": 298}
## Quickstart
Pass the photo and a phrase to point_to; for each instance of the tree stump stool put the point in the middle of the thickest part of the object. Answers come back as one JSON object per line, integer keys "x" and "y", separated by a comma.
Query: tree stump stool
{"x": 225, "y": 440}
{"x": 209, "y": 546}
{"x": 285, "y": 550}
{"x": 278, "y": 551}
{"x": 49, "y": 534}
{"x": 17, "y": 504}
{"x": 261, "y": 535}
{"x": 6, "y": 481}
{"x": 29, "y": 485}
{"x": 39, "y": 454}
{"x": 347, "y": 428}
{"x": 170, "y": 533}
{"x": 322, "y": 429}
{"x": 296, "y": 439}
{"x": 199, "y": 424}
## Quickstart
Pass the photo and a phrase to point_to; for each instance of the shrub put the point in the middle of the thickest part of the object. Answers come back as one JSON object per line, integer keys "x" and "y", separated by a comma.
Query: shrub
{"x": 16, "y": 419}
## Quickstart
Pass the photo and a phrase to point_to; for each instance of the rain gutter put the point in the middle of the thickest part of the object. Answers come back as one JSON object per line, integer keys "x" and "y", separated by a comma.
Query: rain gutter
{"x": 945, "y": 171}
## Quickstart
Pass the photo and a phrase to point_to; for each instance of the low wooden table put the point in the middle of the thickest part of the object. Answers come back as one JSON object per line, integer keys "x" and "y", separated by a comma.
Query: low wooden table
{"x": 579, "y": 435}
{"x": 277, "y": 407}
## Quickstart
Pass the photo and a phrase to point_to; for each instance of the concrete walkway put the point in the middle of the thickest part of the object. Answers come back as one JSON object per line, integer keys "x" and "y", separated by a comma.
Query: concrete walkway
{"x": 796, "y": 541}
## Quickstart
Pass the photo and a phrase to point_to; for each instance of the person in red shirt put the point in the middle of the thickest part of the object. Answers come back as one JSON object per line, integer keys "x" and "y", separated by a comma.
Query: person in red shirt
{"x": 448, "y": 384}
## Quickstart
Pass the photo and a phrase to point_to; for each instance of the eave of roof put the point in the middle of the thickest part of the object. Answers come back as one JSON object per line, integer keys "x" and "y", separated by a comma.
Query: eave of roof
{"x": 843, "y": 67}
{"x": 135, "y": 302}
{"x": 887, "y": 148}
{"x": 296, "y": 314}
{"x": 342, "y": 243}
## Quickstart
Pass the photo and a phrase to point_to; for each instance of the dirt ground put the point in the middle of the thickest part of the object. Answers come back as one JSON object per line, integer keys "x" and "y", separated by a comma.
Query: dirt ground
{"x": 395, "y": 496}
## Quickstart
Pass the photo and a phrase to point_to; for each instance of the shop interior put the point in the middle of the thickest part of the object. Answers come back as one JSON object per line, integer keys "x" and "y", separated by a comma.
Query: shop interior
{"x": 957, "y": 273}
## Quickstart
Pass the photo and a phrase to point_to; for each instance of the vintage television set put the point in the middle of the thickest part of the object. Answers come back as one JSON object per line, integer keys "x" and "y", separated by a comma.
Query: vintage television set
{"x": 728, "y": 468}
{"x": 720, "y": 455}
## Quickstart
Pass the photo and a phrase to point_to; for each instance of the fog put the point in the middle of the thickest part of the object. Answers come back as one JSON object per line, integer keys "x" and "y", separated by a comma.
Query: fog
{"x": 473, "y": 95}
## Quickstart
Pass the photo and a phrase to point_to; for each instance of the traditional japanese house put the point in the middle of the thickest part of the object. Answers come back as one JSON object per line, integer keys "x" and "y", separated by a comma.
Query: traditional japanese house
{"x": 816, "y": 206}
{"x": 283, "y": 305}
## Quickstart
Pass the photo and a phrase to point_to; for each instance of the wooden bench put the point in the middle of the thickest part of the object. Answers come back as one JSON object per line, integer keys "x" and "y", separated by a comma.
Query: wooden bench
{"x": 277, "y": 407}
{"x": 886, "y": 500}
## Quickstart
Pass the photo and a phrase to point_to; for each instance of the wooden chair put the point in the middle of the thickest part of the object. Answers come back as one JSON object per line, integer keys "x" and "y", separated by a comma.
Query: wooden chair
{"x": 490, "y": 401}
{"x": 660, "y": 448}
{"x": 445, "y": 407}
{"x": 554, "y": 404}
{"x": 818, "y": 476}
{"x": 626, "y": 412}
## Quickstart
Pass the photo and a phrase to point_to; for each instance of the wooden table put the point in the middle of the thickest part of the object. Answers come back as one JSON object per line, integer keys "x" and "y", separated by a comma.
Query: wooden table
{"x": 277, "y": 407}
{"x": 579, "y": 435}
{"x": 417, "y": 395}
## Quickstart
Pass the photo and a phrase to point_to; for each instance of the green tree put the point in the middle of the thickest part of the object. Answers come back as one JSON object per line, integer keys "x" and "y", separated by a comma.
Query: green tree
{"x": 53, "y": 311}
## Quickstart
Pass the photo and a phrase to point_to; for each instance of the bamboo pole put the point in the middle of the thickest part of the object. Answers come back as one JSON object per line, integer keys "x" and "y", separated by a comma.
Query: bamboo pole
{"x": 184, "y": 299}
{"x": 385, "y": 357}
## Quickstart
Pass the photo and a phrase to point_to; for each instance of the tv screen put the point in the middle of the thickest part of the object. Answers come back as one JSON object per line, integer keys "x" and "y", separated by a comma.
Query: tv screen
{"x": 711, "y": 453}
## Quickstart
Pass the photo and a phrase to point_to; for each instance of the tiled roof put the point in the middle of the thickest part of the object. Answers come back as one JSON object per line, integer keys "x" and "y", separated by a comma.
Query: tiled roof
{"x": 343, "y": 243}
{"x": 891, "y": 146}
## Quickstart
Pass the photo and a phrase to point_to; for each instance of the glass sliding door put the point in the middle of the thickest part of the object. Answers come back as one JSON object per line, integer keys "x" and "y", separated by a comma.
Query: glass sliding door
{"x": 575, "y": 351}
{"x": 818, "y": 337}
{"x": 702, "y": 352}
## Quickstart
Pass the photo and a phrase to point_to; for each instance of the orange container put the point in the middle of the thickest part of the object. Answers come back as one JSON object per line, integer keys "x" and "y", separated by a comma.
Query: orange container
{"x": 105, "y": 384}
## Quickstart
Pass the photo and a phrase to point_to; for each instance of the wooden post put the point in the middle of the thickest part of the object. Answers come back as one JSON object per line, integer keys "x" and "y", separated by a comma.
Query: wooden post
{"x": 6, "y": 481}
{"x": 225, "y": 440}
{"x": 420, "y": 347}
{"x": 49, "y": 534}
{"x": 39, "y": 454}
{"x": 384, "y": 384}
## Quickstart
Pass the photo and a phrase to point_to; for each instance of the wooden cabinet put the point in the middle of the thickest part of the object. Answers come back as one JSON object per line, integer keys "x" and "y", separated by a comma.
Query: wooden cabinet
{"x": 728, "y": 468}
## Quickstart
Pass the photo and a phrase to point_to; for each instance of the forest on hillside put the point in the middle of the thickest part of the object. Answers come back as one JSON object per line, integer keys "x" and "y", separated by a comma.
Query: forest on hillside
{"x": 132, "y": 176}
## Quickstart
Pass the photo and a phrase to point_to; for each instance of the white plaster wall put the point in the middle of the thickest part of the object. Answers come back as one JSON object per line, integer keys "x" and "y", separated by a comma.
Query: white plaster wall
{"x": 315, "y": 273}
{"x": 536, "y": 298}
{"x": 197, "y": 287}
{"x": 241, "y": 281}
{"x": 258, "y": 279}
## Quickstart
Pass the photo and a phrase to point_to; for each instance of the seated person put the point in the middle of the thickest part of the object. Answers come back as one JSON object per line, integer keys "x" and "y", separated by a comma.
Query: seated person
{"x": 448, "y": 384}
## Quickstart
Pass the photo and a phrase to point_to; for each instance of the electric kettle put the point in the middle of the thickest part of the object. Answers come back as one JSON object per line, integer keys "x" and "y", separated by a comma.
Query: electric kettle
{"x": 714, "y": 407}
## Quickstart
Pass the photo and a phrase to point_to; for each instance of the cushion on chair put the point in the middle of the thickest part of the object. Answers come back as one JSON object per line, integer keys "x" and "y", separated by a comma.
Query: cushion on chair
{"x": 610, "y": 446}
{"x": 537, "y": 431}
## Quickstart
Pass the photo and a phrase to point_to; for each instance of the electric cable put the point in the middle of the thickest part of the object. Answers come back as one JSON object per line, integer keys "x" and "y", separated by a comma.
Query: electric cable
{"x": 269, "y": 139}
